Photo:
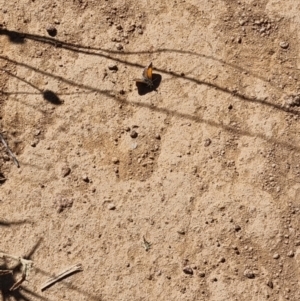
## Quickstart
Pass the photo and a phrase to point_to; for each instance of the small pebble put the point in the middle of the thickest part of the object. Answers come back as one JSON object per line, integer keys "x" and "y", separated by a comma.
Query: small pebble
{"x": 249, "y": 274}
{"x": 222, "y": 259}
{"x": 65, "y": 171}
{"x": 290, "y": 254}
{"x": 140, "y": 31}
{"x": 188, "y": 270}
{"x": 284, "y": 44}
{"x": 119, "y": 27}
{"x": 207, "y": 142}
{"x": 34, "y": 143}
{"x": 237, "y": 228}
{"x": 52, "y": 31}
{"x": 37, "y": 132}
{"x": 270, "y": 284}
{"x": 276, "y": 256}
{"x": 157, "y": 136}
{"x": 111, "y": 206}
{"x": 119, "y": 46}
{"x": 133, "y": 134}
{"x": 85, "y": 178}
{"x": 131, "y": 28}
{"x": 115, "y": 160}
{"x": 113, "y": 66}
{"x": 201, "y": 274}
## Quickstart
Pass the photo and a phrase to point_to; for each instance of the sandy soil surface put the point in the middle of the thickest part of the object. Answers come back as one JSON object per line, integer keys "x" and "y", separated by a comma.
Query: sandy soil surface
{"x": 188, "y": 191}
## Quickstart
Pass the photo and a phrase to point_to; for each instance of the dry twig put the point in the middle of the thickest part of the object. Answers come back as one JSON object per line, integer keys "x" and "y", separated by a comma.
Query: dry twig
{"x": 9, "y": 151}
{"x": 146, "y": 244}
{"x": 26, "y": 266}
{"x": 61, "y": 275}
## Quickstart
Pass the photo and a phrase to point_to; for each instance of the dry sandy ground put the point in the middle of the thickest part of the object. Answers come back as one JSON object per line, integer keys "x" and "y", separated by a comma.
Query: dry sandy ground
{"x": 189, "y": 191}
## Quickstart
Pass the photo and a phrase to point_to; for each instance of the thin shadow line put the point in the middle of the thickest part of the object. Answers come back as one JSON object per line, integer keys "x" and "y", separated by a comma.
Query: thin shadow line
{"x": 36, "y": 295}
{"x": 89, "y": 50}
{"x": 110, "y": 94}
{"x": 213, "y": 124}
{"x": 32, "y": 93}
{"x": 199, "y": 82}
{"x": 12, "y": 223}
{"x": 7, "y": 281}
{"x": 47, "y": 94}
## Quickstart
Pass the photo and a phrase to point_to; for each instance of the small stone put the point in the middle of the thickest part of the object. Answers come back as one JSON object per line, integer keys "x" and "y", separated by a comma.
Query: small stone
{"x": 290, "y": 254}
{"x": 37, "y": 132}
{"x": 222, "y": 259}
{"x": 111, "y": 206}
{"x": 207, "y": 142}
{"x": 249, "y": 274}
{"x": 201, "y": 274}
{"x": 237, "y": 228}
{"x": 34, "y": 143}
{"x": 131, "y": 28}
{"x": 115, "y": 160}
{"x": 270, "y": 283}
{"x": 276, "y": 256}
{"x": 85, "y": 178}
{"x": 52, "y": 31}
{"x": 119, "y": 27}
{"x": 181, "y": 232}
{"x": 65, "y": 171}
{"x": 284, "y": 44}
{"x": 119, "y": 46}
{"x": 113, "y": 67}
{"x": 157, "y": 136}
{"x": 188, "y": 270}
{"x": 133, "y": 134}
{"x": 239, "y": 40}
{"x": 140, "y": 31}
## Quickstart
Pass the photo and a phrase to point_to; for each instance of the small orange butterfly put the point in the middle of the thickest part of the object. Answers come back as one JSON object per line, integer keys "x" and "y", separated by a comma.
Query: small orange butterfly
{"x": 147, "y": 76}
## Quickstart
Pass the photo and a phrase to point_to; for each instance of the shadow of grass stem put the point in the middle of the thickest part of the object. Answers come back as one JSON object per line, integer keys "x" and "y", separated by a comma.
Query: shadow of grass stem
{"x": 26, "y": 267}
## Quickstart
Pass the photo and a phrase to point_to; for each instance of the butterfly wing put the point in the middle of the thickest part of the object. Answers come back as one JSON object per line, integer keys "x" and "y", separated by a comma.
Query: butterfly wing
{"x": 140, "y": 80}
{"x": 147, "y": 74}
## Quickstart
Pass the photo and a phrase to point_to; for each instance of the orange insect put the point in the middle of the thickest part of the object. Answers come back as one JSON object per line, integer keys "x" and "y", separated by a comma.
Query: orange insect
{"x": 147, "y": 76}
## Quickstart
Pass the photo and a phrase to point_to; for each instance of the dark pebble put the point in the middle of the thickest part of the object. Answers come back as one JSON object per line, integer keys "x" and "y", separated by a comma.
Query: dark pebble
{"x": 188, "y": 270}
{"x": 52, "y": 31}
{"x": 65, "y": 171}
{"x": 270, "y": 284}
{"x": 237, "y": 228}
{"x": 207, "y": 142}
{"x": 249, "y": 274}
{"x": 113, "y": 67}
{"x": 133, "y": 134}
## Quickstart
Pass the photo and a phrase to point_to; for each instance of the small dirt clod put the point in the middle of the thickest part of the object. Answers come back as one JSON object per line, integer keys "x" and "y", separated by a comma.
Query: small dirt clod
{"x": 188, "y": 270}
